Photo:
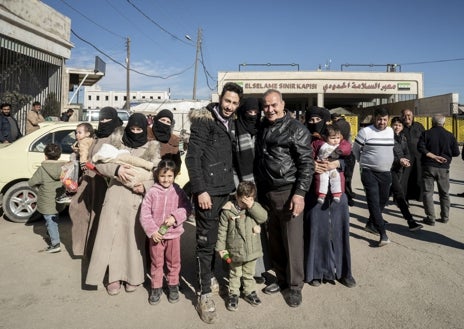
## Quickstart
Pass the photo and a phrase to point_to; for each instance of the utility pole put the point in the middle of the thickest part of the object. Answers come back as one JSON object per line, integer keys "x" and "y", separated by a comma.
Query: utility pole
{"x": 194, "y": 96}
{"x": 128, "y": 74}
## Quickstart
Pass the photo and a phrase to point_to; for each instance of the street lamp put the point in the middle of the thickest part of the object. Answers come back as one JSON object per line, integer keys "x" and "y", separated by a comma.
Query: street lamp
{"x": 194, "y": 94}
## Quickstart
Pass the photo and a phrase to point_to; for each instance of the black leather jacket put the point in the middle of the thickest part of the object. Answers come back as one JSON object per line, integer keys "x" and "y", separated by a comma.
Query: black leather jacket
{"x": 284, "y": 156}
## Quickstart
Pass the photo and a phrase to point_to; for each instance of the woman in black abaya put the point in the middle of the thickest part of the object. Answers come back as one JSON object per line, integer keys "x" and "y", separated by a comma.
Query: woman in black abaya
{"x": 327, "y": 244}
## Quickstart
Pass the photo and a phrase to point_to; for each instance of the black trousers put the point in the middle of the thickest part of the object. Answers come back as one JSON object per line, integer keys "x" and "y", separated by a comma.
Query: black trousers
{"x": 398, "y": 195}
{"x": 350, "y": 162}
{"x": 207, "y": 221}
{"x": 286, "y": 244}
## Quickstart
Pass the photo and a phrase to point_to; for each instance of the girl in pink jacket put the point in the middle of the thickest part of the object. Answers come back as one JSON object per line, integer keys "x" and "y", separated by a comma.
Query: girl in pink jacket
{"x": 164, "y": 209}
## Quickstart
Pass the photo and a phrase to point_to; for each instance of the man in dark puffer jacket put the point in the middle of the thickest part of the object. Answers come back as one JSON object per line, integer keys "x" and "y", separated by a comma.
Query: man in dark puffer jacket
{"x": 209, "y": 164}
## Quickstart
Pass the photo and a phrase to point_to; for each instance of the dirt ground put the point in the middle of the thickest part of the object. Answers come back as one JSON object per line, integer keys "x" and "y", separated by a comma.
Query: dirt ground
{"x": 415, "y": 282}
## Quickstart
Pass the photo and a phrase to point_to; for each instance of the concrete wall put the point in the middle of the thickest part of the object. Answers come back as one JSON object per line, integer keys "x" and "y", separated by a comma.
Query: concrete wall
{"x": 36, "y": 24}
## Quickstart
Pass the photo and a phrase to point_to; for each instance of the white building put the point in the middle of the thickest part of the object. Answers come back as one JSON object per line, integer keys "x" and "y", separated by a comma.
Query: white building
{"x": 96, "y": 98}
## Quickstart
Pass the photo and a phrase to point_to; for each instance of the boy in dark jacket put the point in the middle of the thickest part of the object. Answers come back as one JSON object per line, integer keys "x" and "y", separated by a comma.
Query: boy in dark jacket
{"x": 47, "y": 179}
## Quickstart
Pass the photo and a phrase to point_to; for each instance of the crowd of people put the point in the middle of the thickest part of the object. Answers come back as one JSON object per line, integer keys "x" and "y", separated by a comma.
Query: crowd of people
{"x": 268, "y": 193}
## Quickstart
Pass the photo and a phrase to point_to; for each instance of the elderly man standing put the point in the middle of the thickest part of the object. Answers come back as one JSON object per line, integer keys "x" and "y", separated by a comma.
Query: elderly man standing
{"x": 284, "y": 169}
{"x": 412, "y": 175}
{"x": 373, "y": 148}
{"x": 34, "y": 117}
{"x": 437, "y": 146}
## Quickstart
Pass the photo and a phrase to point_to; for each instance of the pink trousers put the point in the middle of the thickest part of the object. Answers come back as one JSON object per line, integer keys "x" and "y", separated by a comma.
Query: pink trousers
{"x": 165, "y": 252}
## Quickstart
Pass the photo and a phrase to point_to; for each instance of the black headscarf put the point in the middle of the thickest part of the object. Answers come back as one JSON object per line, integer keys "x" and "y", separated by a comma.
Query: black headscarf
{"x": 106, "y": 128}
{"x": 161, "y": 130}
{"x": 245, "y": 121}
{"x": 321, "y": 112}
{"x": 135, "y": 140}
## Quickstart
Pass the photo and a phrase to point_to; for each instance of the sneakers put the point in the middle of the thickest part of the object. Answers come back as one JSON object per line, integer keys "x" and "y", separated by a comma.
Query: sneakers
{"x": 232, "y": 303}
{"x": 271, "y": 289}
{"x": 336, "y": 199}
{"x": 320, "y": 199}
{"x": 206, "y": 308}
{"x": 113, "y": 288}
{"x": 384, "y": 240}
{"x": 414, "y": 226}
{"x": 293, "y": 297}
{"x": 214, "y": 285}
{"x": 173, "y": 294}
{"x": 53, "y": 249}
{"x": 252, "y": 298}
{"x": 155, "y": 296}
{"x": 428, "y": 221}
{"x": 63, "y": 199}
{"x": 371, "y": 228}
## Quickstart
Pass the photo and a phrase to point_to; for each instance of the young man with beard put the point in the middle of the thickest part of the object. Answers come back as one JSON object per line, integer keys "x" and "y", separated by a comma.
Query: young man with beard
{"x": 34, "y": 117}
{"x": 9, "y": 129}
{"x": 209, "y": 164}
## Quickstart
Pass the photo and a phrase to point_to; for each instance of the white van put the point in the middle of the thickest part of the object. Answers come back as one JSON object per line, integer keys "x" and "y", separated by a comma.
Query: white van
{"x": 92, "y": 115}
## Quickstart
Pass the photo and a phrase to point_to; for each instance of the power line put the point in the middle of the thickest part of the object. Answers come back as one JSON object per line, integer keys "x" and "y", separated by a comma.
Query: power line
{"x": 205, "y": 70}
{"x": 437, "y": 61}
{"x": 90, "y": 20}
{"x": 124, "y": 66}
{"x": 157, "y": 24}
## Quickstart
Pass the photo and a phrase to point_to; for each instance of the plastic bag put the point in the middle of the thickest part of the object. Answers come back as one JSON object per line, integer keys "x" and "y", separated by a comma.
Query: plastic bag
{"x": 70, "y": 175}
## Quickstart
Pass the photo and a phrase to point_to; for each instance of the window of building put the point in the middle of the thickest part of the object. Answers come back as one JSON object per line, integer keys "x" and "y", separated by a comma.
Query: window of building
{"x": 151, "y": 97}
{"x": 98, "y": 98}
{"x": 107, "y": 98}
{"x": 143, "y": 97}
{"x": 115, "y": 98}
{"x": 159, "y": 97}
{"x": 125, "y": 97}
{"x": 90, "y": 97}
{"x": 133, "y": 97}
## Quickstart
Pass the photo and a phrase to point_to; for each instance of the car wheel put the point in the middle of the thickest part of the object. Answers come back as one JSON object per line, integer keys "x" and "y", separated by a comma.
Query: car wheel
{"x": 20, "y": 203}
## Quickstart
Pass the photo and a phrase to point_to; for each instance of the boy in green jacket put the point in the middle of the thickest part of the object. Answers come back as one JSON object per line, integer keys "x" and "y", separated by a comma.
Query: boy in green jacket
{"x": 47, "y": 179}
{"x": 239, "y": 236}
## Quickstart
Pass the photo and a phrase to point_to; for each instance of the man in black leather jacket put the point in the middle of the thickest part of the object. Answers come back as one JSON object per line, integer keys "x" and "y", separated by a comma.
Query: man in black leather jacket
{"x": 284, "y": 170}
{"x": 209, "y": 164}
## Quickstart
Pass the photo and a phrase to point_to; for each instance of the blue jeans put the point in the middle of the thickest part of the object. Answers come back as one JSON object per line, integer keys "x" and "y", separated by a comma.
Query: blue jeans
{"x": 377, "y": 188}
{"x": 430, "y": 175}
{"x": 51, "y": 222}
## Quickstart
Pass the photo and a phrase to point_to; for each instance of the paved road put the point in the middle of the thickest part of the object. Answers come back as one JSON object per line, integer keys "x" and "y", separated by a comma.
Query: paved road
{"x": 416, "y": 282}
